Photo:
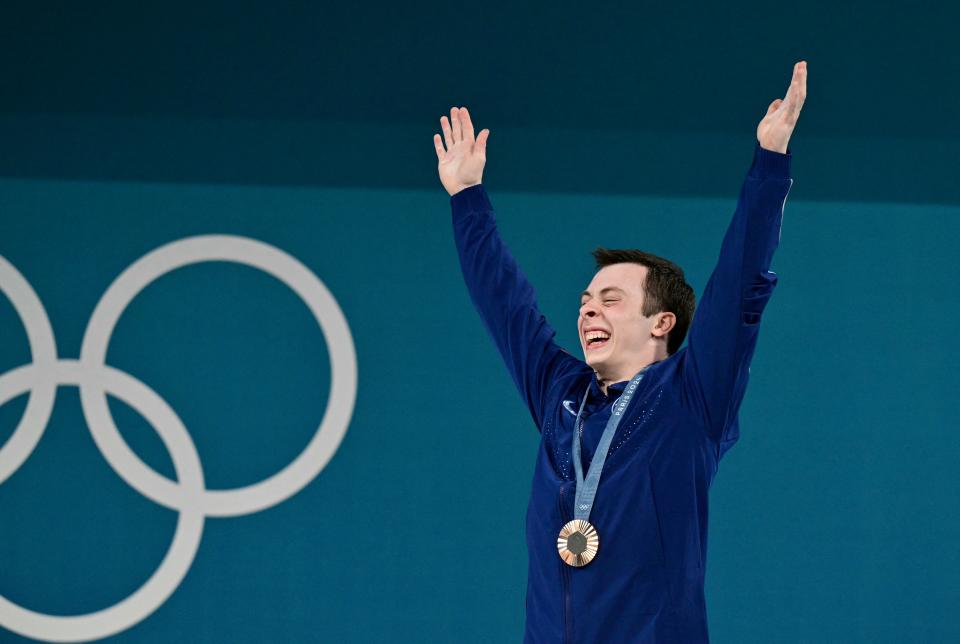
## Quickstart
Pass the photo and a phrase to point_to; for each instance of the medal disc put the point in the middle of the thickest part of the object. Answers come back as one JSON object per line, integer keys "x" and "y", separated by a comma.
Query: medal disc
{"x": 578, "y": 543}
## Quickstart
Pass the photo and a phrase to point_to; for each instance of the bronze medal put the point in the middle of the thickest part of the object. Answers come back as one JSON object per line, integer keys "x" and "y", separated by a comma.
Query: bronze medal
{"x": 578, "y": 543}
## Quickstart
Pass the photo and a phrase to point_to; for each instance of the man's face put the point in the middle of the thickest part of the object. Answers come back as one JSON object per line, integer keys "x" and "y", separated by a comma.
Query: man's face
{"x": 613, "y": 331}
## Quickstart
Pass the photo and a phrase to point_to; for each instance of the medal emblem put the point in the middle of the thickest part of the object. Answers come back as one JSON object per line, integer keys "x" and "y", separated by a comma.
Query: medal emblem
{"x": 578, "y": 543}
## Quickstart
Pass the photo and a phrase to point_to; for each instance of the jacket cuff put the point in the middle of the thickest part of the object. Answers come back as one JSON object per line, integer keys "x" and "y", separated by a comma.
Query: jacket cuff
{"x": 767, "y": 163}
{"x": 471, "y": 200}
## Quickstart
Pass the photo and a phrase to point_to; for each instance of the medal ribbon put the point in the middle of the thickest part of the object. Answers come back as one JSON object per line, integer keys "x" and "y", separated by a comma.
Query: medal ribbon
{"x": 587, "y": 488}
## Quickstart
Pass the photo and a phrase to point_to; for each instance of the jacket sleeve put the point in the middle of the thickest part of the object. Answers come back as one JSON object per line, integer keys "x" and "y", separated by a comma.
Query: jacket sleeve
{"x": 506, "y": 302}
{"x": 724, "y": 330}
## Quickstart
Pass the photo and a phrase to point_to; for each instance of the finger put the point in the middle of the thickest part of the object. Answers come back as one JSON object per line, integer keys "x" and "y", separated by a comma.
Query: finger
{"x": 482, "y": 141}
{"x": 455, "y": 124}
{"x": 467, "y": 125}
{"x": 773, "y": 106}
{"x": 800, "y": 78}
{"x": 797, "y": 91}
{"x": 438, "y": 144}
{"x": 447, "y": 134}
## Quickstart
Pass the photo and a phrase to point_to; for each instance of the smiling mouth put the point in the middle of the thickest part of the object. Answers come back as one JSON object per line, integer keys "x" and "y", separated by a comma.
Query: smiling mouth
{"x": 596, "y": 339}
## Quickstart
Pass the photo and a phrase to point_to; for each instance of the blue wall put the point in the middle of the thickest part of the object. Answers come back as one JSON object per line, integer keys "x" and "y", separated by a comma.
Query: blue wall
{"x": 832, "y": 520}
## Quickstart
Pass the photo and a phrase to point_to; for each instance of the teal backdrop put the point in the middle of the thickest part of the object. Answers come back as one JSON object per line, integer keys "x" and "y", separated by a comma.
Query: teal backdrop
{"x": 835, "y": 517}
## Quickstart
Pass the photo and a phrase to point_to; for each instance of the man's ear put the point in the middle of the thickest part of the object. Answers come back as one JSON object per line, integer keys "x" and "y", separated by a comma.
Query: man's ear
{"x": 663, "y": 323}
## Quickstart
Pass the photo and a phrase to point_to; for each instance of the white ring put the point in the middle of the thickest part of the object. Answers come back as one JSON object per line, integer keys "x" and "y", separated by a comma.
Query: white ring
{"x": 186, "y": 539}
{"x": 43, "y": 389}
{"x": 343, "y": 366}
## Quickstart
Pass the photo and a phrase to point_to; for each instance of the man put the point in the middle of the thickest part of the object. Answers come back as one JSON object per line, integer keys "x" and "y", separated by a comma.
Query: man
{"x": 631, "y": 436}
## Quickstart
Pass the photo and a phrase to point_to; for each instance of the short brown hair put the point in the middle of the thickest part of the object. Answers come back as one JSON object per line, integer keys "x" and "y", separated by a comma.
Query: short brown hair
{"x": 665, "y": 289}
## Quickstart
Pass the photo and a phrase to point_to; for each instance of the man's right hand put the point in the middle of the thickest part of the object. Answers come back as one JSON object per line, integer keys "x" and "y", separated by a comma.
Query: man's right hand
{"x": 461, "y": 161}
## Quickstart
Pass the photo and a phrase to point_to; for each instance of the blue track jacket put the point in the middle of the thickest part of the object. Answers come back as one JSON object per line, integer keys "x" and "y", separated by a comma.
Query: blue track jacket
{"x": 646, "y": 583}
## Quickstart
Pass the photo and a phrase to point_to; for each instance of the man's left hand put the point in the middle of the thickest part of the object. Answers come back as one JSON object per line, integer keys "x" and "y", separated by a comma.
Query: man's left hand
{"x": 775, "y": 129}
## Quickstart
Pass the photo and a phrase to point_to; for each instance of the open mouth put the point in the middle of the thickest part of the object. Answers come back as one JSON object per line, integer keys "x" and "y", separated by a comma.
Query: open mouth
{"x": 596, "y": 339}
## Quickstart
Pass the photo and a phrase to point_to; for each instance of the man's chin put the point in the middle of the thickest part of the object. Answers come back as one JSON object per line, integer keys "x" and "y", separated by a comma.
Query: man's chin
{"x": 594, "y": 362}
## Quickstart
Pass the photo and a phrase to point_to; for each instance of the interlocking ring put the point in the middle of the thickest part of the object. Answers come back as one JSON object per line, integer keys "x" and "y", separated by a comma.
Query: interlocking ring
{"x": 187, "y": 494}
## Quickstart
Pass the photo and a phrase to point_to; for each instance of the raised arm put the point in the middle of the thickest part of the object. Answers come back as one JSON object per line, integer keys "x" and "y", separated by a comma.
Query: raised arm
{"x": 724, "y": 331}
{"x": 499, "y": 290}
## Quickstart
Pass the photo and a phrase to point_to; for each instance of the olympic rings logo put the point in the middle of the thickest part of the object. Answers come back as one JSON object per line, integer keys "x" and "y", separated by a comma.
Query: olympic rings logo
{"x": 95, "y": 379}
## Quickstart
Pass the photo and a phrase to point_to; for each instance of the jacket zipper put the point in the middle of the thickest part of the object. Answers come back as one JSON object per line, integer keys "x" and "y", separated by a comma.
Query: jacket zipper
{"x": 565, "y": 578}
